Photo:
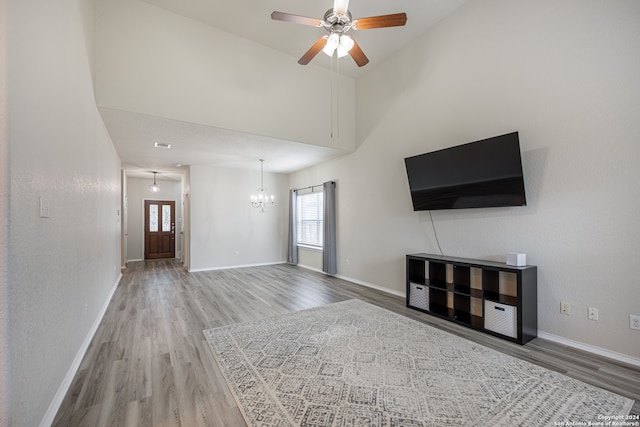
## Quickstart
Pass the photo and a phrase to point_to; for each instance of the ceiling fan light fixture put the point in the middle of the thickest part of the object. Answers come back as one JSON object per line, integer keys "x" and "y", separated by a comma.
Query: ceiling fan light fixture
{"x": 346, "y": 42}
{"x": 328, "y": 50}
{"x": 332, "y": 43}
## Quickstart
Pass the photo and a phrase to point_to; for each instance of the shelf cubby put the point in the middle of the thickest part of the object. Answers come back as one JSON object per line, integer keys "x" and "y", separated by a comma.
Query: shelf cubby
{"x": 461, "y": 279}
{"x": 438, "y": 274}
{"x": 476, "y": 306}
{"x": 462, "y": 308}
{"x": 416, "y": 271}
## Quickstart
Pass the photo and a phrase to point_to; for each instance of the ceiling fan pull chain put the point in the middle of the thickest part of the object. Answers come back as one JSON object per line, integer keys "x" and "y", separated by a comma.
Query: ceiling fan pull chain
{"x": 338, "y": 97}
{"x": 331, "y": 96}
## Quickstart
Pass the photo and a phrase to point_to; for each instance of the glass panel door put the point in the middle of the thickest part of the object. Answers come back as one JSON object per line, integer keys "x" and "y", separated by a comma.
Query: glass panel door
{"x": 159, "y": 241}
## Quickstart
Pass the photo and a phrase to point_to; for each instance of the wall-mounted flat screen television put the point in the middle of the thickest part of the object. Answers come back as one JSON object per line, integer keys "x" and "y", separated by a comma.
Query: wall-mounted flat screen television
{"x": 486, "y": 173}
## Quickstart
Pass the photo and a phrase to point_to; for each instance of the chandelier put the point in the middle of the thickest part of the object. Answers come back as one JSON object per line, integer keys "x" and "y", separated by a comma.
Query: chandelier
{"x": 262, "y": 200}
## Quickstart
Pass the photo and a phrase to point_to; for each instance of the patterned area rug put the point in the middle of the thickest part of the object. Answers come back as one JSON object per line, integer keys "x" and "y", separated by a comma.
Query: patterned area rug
{"x": 355, "y": 364}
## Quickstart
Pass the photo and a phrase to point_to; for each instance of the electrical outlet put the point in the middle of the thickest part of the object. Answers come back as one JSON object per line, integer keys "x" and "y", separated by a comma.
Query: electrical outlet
{"x": 565, "y": 308}
{"x": 634, "y": 322}
{"x": 592, "y": 314}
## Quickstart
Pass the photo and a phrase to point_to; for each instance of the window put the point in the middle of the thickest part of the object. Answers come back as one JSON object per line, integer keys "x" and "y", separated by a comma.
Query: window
{"x": 310, "y": 211}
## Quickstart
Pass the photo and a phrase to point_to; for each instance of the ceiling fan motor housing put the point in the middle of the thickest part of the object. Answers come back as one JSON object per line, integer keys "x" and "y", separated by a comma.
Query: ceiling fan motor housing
{"x": 335, "y": 23}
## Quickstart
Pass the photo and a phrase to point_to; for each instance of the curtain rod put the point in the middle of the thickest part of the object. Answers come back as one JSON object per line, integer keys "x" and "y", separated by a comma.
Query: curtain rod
{"x": 312, "y": 187}
{"x": 309, "y": 187}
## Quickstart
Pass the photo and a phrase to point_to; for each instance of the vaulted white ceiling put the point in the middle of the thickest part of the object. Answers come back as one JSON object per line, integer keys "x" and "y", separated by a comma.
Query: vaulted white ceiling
{"x": 134, "y": 132}
{"x": 251, "y": 19}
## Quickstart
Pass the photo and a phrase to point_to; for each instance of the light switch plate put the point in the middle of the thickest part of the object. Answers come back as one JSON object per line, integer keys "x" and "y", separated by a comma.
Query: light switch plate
{"x": 44, "y": 207}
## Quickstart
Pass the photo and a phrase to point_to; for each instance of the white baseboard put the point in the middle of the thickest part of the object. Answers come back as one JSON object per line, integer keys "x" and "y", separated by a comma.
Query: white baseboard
{"x": 50, "y": 415}
{"x": 195, "y": 270}
{"x": 590, "y": 348}
{"x": 359, "y": 282}
{"x": 306, "y": 267}
{"x": 372, "y": 285}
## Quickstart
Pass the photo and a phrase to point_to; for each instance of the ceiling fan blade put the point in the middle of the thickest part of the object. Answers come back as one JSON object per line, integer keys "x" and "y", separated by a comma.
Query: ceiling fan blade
{"x": 313, "y": 51}
{"x": 340, "y": 7}
{"x": 296, "y": 19}
{"x": 393, "y": 20}
{"x": 358, "y": 55}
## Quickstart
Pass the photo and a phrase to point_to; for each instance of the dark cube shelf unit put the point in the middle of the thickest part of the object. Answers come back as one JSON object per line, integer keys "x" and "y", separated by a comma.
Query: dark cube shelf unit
{"x": 491, "y": 297}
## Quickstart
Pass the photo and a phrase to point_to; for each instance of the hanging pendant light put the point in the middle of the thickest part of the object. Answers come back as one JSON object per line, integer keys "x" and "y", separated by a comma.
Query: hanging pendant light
{"x": 262, "y": 200}
{"x": 154, "y": 188}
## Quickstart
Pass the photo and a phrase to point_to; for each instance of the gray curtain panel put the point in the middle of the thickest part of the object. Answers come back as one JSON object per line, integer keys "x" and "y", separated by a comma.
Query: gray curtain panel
{"x": 292, "y": 256}
{"x": 329, "y": 258}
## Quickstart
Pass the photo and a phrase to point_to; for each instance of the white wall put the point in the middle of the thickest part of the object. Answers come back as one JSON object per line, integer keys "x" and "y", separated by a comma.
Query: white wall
{"x": 61, "y": 269}
{"x": 310, "y": 257}
{"x": 566, "y": 75}
{"x": 225, "y": 230}
{"x": 137, "y": 193}
{"x": 4, "y": 212}
{"x": 155, "y": 62}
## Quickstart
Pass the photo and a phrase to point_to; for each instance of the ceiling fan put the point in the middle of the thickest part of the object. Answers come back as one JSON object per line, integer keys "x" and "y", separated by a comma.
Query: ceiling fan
{"x": 338, "y": 22}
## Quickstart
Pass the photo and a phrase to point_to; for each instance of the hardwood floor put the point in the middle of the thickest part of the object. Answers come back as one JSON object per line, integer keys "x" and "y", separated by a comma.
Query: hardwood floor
{"x": 149, "y": 365}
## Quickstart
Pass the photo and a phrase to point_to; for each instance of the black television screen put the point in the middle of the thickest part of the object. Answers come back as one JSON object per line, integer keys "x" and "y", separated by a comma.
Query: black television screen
{"x": 486, "y": 173}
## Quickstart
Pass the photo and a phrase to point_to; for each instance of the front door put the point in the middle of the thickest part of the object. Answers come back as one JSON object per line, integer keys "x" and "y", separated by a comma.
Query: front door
{"x": 159, "y": 229}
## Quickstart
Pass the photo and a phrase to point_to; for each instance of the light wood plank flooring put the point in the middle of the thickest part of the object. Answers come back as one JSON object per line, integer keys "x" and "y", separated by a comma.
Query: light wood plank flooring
{"x": 149, "y": 365}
